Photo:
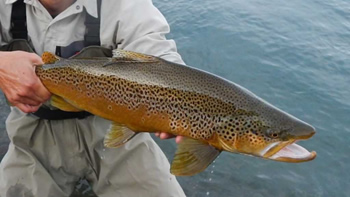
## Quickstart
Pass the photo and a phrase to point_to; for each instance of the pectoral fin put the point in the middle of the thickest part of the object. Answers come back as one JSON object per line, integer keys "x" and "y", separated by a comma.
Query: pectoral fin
{"x": 192, "y": 157}
{"x": 62, "y": 104}
{"x": 118, "y": 135}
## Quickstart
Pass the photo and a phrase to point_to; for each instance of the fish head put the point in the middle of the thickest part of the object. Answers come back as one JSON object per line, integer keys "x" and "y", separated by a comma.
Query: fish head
{"x": 283, "y": 145}
{"x": 273, "y": 139}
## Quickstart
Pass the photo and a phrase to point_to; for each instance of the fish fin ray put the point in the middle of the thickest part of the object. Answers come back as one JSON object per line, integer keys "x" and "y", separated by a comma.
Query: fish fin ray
{"x": 130, "y": 56}
{"x": 49, "y": 58}
{"x": 118, "y": 135}
{"x": 192, "y": 157}
{"x": 89, "y": 58}
{"x": 226, "y": 145}
{"x": 63, "y": 104}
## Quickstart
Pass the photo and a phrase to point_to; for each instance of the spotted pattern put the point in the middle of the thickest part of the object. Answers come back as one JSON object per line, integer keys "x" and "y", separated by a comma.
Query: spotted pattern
{"x": 190, "y": 111}
{"x": 198, "y": 104}
{"x": 247, "y": 129}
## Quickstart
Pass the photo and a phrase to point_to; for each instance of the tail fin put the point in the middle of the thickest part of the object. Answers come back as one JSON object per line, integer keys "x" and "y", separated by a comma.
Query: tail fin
{"x": 49, "y": 58}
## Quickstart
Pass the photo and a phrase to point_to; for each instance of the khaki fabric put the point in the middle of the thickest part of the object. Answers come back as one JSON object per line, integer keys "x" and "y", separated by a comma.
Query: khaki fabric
{"x": 135, "y": 25}
{"x": 47, "y": 158}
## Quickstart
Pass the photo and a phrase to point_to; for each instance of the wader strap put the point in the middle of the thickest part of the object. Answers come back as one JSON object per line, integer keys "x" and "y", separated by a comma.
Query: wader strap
{"x": 19, "y": 21}
{"x": 92, "y": 37}
{"x": 48, "y": 114}
{"x": 92, "y": 24}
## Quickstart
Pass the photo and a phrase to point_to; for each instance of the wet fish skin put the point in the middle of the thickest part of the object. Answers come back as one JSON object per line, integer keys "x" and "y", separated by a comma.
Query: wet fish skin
{"x": 142, "y": 93}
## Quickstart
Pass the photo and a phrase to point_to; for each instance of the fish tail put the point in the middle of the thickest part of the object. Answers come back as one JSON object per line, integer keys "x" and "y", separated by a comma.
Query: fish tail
{"x": 49, "y": 58}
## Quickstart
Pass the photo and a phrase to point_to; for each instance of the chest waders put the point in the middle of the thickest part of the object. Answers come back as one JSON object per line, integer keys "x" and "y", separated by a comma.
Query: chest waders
{"x": 47, "y": 158}
{"x": 89, "y": 47}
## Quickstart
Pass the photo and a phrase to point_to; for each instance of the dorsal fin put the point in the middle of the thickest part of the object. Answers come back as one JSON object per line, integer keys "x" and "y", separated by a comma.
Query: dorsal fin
{"x": 49, "y": 58}
{"x": 121, "y": 55}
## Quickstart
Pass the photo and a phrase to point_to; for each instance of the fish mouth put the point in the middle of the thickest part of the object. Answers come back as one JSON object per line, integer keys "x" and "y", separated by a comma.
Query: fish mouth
{"x": 288, "y": 151}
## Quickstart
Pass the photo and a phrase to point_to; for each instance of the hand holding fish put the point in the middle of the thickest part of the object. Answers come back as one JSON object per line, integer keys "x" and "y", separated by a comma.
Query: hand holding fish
{"x": 19, "y": 82}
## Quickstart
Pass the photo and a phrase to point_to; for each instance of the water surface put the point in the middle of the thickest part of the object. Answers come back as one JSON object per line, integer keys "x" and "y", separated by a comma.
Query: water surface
{"x": 295, "y": 55}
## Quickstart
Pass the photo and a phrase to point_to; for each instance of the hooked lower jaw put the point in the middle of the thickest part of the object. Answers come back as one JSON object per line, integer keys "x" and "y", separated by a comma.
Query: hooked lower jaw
{"x": 293, "y": 153}
{"x": 287, "y": 151}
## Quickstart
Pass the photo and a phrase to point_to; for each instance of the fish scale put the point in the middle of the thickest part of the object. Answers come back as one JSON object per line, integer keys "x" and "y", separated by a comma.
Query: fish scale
{"x": 142, "y": 93}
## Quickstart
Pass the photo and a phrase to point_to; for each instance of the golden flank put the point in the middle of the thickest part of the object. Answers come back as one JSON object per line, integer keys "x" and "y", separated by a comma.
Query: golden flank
{"x": 142, "y": 93}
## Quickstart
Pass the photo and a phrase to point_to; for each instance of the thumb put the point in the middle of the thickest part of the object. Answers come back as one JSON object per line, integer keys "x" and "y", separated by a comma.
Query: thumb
{"x": 36, "y": 59}
{"x": 38, "y": 62}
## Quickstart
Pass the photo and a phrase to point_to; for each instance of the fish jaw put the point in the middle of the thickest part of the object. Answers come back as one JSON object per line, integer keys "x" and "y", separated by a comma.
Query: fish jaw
{"x": 293, "y": 153}
{"x": 287, "y": 151}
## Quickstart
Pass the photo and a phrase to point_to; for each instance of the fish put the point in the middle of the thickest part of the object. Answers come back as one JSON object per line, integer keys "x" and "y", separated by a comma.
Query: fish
{"x": 143, "y": 93}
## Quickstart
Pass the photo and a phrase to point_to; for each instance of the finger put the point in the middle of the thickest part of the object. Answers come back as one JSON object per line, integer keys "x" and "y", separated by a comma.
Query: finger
{"x": 36, "y": 60}
{"x": 40, "y": 89}
{"x": 179, "y": 139}
{"x": 157, "y": 134}
{"x": 24, "y": 97}
{"x": 28, "y": 101}
{"x": 41, "y": 92}
{"x": 33, "y": 108}
{"x": 166, "y": 136}
{"x": 27, "y": 108}
{"x": 31, "y": 93}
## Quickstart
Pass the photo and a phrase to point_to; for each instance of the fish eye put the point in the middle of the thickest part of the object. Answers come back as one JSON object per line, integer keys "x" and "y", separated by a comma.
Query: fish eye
{"x": 274, "y": 135}
{"x": 269, "y": 132}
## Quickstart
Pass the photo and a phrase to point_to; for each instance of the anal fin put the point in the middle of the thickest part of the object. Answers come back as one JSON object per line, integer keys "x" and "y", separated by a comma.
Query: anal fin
{"x": 62, "y": 104}
{"x": 192, "y": 157}
{"x": 118, "y": 135}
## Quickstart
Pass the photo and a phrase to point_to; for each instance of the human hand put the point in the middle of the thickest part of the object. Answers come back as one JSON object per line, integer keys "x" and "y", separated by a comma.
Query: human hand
{"x": 19, "y": 82}
{"x": 163, "y": 135}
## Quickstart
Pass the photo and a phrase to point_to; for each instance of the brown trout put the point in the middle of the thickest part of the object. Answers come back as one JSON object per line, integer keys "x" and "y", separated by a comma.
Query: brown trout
{"x": 142, "y": 93}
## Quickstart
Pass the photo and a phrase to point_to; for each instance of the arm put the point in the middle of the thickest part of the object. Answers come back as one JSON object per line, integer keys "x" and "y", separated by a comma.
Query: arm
{"x": 142, "y": 28}
{"x": 19, "y": 82}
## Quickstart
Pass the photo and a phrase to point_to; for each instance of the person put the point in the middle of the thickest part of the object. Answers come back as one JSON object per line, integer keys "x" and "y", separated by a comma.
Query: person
{"x": 49, "y": 153}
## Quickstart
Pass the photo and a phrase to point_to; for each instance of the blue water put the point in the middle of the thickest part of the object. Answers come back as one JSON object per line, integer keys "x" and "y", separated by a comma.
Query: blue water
{"x": 294, "y": 54}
